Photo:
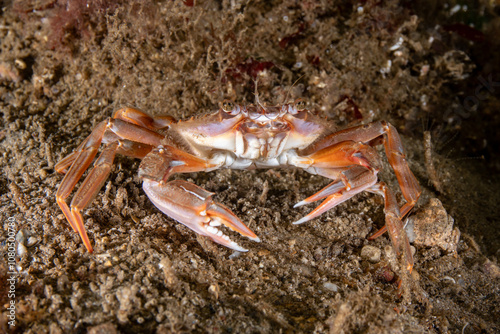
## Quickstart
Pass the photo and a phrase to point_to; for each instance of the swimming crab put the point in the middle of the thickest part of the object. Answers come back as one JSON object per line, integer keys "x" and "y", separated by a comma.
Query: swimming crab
{"x": 239, "y": 137}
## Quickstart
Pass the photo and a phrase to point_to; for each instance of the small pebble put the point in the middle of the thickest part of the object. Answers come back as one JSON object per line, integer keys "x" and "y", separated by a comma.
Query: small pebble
{"x": 371, "y": 253}
{"x": 42, "y": 173}
{"x": 385, "y": 274}
{"x": 20, "y": 64}
{"x": 389, "y": 252}
{"x": 21, "y": 236}
{"x": 415, "y": 275}
{"x": 432, "y": 226}
{"x": 32, "y": 241}
{"x": 234, "y": 255}
{"x": 21, "y": 249}
{"x": 214, "y": 290}
{"x": 331, "y": 286}
{"x": 491, "y": 269}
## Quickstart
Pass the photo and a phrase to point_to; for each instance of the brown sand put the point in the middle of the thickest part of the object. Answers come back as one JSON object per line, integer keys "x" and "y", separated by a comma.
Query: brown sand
{"x": 65, "y": 66}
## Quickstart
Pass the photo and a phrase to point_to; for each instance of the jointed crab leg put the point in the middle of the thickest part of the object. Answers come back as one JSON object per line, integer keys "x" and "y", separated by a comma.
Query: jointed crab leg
{"x": 132, "y": 140}
{"x": 394, "y": 151}
{"x": 100, "y": 134}
{"x": 347, "y": 148}
{"x": 404, "y": 211}
{"x": 90, "y": 187}
{"x": 393, "y": 222}
{"x": 333, "y": 188}
{"x": 137, "y": 117}
{"x": 351, "y": 181}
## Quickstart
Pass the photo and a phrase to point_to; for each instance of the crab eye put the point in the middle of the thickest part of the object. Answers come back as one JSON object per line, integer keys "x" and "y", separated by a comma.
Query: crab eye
{"x": 300, "y": 104}
{"x": 227, "y": 105}
{"x": 230, "y": 107}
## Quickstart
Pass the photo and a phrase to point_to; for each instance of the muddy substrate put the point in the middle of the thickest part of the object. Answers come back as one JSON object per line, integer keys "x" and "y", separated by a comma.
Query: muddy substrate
{"x": 64, "y": 67}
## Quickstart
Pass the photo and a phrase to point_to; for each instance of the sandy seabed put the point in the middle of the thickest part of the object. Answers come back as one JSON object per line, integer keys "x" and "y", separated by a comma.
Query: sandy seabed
{"x": 67, "y": 65}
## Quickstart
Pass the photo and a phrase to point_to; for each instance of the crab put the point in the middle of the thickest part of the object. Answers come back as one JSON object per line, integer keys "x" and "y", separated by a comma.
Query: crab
{"x": 239, "y": 137}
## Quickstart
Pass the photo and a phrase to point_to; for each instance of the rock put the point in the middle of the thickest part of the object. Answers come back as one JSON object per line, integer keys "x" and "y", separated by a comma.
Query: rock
{"x": 21, "y": 250}
{"x": 371, "y": 253}
{"x": 22, "y": 236}
{"x": 331, "y": 286}
{"x": 32, "y": 241}
{"x": 491, "y": 269}
{"x": 433, "y": 226}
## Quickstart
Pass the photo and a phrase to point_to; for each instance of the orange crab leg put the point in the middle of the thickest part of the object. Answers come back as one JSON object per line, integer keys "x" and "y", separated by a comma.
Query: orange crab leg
{"x": 358, "y": 170}
{"x": 353, "y": 146}
{"x": 393, "y": 222}
{"x": 378, "y": 233}
{"x": 90, "y": 187}
{"x": 404, "y": 211}
{"x": 333, "y": 188}
{"x": 369, "y": 133}
{"x": 129, "y": 115}
{"x": 342, "y": 154}
{"x": 137, "y": 117}
{"x": 352, "y": 181}
{"x": 164, "y": 161}
{"x": 81, "y": 159}
{"x": 407, "y": 181}
{"x": 394, "y": 150}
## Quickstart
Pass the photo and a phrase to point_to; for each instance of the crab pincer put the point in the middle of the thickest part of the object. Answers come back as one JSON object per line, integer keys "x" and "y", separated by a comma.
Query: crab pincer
{"x": 193, "y": 206}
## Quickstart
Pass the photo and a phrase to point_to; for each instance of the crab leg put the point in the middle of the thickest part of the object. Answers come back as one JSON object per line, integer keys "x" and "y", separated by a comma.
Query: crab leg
{"x": 81, "y": 159}
{"x": 351, "y": 181}
{"x": 85, "y": 154}
{"x": 89, "y": 189}
{"x": 395, "y": 154}
{"x": 333, "y": 188}
{"x": 393, "y": 222}
{"x": 185, "y": 202}
{"x": 137, "y": 117}
{"x": 129, "y": 115}
{"x": 404, "y": 211}
{"x": 394, "y": 150}
{"x": 346, "y": 147}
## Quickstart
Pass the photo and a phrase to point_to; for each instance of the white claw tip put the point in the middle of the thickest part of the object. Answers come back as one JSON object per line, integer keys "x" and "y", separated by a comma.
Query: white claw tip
{"x": 237, "y": 247}
{"x": 256, "y": 239}
{"x": 300, "y": 204}
{"x": 300, "y": 221}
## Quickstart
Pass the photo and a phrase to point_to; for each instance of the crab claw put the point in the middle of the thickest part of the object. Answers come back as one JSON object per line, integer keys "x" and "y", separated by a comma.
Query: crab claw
{"x": 331, "y": 189}
{"x": 351, "y": 182}
{"x": 193, "y": 206}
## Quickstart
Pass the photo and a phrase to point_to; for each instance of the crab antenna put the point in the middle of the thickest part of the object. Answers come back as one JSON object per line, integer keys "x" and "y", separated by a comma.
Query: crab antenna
{"x": 257, "y": 101}
{"x": 290, "y": 89}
